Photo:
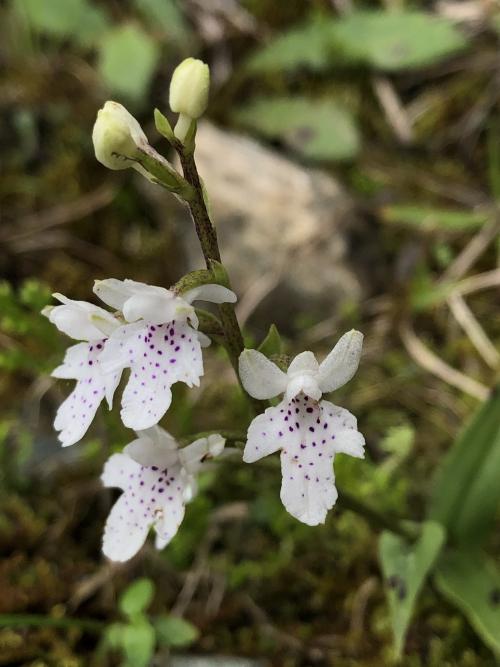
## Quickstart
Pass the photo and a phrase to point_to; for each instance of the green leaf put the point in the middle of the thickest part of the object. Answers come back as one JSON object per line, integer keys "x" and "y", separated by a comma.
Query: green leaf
{"x": 467, "y": 493}
{"x": 397, "y": 40}
{"x": 319, "y": 130}
{"x": 163, "y": 126}
{"x": 137, "y": 597}
{"x": 272, "y": 342}
{"x": 175, "y": 631}
{"x": 92, "y": 25}
{"x": 472, "y": 583}
{"x": 59, "y": 18}
{"x": 405, "y": 569}
{"x": 138, "y": 643}
{"x": 429, "y": 219}
{"x": 306, "y": 45}
{"x": 220, "y": 275}
{"x": 165, "y": 16}
{"x": 127, "y": 60}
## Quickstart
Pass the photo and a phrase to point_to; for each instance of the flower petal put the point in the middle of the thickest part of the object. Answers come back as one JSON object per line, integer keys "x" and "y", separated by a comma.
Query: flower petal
{"x": 154, "y": 446}
{"x": 152, "y": 495}
{"x": 309, "y": 434}
{"x": 342, "y": 362}
{"x": 80, "y": 320}
{"x": 260, "y": 377}
{"x": 118, "y": 470}
{"x": 305, "y": 383}
{"x": 113, "y": 292}
{"x": 211, "y": 292}
{"x": 158, "y": 356}
{"x": 303, "y": 362}
{"x": 76, "y": 413}
{"x": 153, "y": 307}
{"x": 125, "y": 531}
{"x": 267, "y": 433}
{"x": 198, "y": 451}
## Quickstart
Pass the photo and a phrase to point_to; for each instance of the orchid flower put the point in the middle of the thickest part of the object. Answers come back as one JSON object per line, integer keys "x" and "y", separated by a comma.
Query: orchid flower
{"x": 85, "y": 322}
{"x": 157, "y": 480}
{"x": 307, "y": 430}
{"x": 160, "y": 343}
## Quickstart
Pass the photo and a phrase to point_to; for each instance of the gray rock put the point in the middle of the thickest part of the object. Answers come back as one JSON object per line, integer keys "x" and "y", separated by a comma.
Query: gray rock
{"x": 283, "y": 230}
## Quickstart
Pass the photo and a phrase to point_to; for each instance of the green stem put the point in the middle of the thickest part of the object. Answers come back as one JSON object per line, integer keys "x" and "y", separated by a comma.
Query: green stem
{"x": 208, "y": 240}
{"x": 40, "y": 621}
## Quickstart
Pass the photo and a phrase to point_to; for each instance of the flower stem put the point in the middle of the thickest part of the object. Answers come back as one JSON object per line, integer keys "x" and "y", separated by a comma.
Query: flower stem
{"x": 208, "y": 240}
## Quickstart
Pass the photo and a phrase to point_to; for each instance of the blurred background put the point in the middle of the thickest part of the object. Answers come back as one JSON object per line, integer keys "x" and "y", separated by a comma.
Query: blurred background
{"x": 351, "y": 153}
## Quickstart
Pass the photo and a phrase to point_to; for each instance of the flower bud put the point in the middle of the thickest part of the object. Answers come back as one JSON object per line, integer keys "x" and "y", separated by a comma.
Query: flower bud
{"x": 189, "y": 88}
{"x": 117, "y": 136}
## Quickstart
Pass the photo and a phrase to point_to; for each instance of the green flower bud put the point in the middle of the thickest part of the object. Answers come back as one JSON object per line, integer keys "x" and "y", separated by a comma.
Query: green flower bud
{"x": 189, "y": 88}
{"x": 117, "y": 136}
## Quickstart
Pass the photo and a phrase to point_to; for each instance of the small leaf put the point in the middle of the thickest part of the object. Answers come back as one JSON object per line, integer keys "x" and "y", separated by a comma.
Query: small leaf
{"x": 59, "y": 18}
{"x": 429, "y": 219}
{"x": 175, "y": 631}
{"x": 405, "y": 569}
{"x": 472, "y": 583}
{"x": 137, "y": 597}
{"x": 271, "y": 344}
{"x": 467, "y": 493}
{"x": 220, "y": 275}
{"x": 319, "y": 130}
{"x": 138, "y": 643}
{"x": 163, "y": 126}
{"x": 397, "y": 40}
{"x": 127, "y": 60}
{"x": 194, "y": 279}
{"x": 165, "y": 16}
{"x": 306, "y": 45}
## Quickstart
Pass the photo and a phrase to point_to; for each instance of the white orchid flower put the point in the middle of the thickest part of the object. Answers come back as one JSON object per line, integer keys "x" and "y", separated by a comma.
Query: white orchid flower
{"x": 85, "y": 322}
{"x": 160, "y": 344}
{"x": 157, "y": 480}
{"x": 307, "y": 430}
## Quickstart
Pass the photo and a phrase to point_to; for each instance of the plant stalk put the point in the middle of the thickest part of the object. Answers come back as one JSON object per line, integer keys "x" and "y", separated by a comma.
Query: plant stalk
{"x": 207, "y": 235}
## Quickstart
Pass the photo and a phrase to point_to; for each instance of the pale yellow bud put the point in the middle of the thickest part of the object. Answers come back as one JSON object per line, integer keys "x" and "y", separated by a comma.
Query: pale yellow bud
{"x": 189, "y": 92}
{"x": 117, "y": 136}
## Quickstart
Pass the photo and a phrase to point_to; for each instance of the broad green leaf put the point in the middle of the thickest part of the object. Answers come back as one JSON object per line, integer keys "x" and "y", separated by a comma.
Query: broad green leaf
{"x": 472, "y": 583}
{"x": 272, "y": 342}
{"x": 386, "y": 40}
{"x": 306, "y": 45}
{"x": 175, "y": 631}
{"x": 137, "y": 597}
{"x": 59, "y": 18}
{"x": 405, "y": 569}
{"x": 429, "y": 219}
{"x": 127, "y": 60}
{"x": 138, "y": 643}
{"x": 467, "y": 493}
{"x": 397, "y": 40}
{"x": 319, "y": 130}
{"x": 92, "y": 25}
{"x": 166, "y": 16}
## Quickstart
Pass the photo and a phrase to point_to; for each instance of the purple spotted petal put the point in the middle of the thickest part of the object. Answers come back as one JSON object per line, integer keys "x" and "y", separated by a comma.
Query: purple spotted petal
{"x": 309, "y": 434}
{"x": 75, "y": 414}
{"x": 158, "y": 356}
{"x": 151, "y": 497}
